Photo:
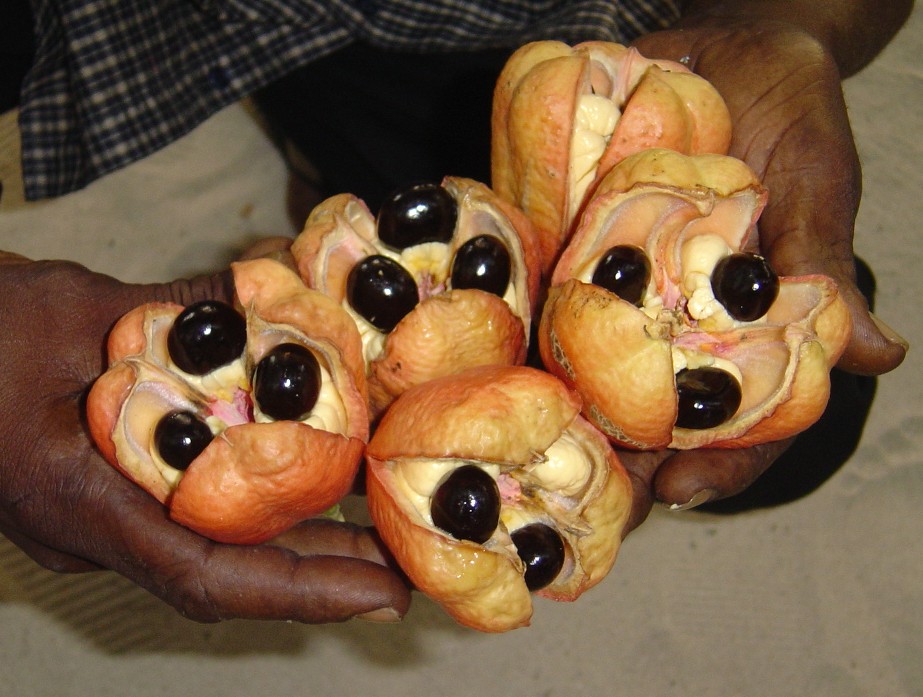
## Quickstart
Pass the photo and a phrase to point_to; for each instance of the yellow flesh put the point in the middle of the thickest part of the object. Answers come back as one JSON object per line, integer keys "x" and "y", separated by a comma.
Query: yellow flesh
{"x": 594, "y": 124}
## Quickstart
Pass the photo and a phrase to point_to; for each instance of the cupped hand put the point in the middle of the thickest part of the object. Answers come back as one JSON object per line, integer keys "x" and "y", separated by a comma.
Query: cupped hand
{"x": 70, "y": 511}
{"x": 790, "y": 125}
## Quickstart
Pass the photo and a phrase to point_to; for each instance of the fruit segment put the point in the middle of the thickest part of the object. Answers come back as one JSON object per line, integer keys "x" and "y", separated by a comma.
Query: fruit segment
{"x": 488, "y": 486}
{"x": 564, "y": 116}
{"x": 242, "y": 420}
{"x": 672, "y": 330}
{"x": 443, "y": 278}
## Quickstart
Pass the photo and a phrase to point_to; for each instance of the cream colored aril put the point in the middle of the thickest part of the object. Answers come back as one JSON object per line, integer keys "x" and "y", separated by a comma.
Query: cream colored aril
{"x": 595, "y": 121}
{"x": 564, "y": 469}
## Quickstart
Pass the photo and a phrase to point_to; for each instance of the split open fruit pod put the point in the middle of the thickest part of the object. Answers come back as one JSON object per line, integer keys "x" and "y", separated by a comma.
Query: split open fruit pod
{"x": 242, "y": 420}
{"x": 671, "y": 328}
{"x": 563, "y": 116}
{"x": 443, "y": 278}
{"x": 488, "y": 486}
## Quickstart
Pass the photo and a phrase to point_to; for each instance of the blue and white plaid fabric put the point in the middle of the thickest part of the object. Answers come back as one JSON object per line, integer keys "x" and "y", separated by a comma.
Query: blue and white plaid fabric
{"x": 115, "y": 80}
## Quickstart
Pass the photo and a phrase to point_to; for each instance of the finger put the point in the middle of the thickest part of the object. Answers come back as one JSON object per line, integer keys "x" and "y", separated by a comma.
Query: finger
{"x": 788, "y": 234}
{"x": 218, "y": 286}
{"x": 269, "y": 582}
{"x": 97, "y": 300}
{"x": 874, "y": 348}
{"x": 667, "y": 45}
{"x": 692, "y": 477}
{"x": 326, "y": 536}
{"x": 330, "y": 578}
{"x": 51, "y": 559}
{"x": 335, "y": 573}
{"x": 641, "y": 467}
{"x": 327, "y": 572}
{"x": 12, "y": 258}
{"x": 808, "y": 224}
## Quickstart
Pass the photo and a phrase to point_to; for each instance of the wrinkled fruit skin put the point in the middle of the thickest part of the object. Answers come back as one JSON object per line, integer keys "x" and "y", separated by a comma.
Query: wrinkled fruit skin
{"x": 686, "y": 213}
{"x": 449, "y": 329}
{"x": 254, "y": 479}
{"x": 599, "y": 103}
{"x": 508, "y": 421}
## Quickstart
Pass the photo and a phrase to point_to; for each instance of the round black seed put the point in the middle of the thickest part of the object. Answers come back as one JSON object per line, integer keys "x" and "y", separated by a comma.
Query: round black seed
{"x": 542, "y": 551}
{"x": 382, "y": 291}
{"x": 206, "y": 336}
{"x": 707, "y": 397}
{"x": 416, "y": 214}
{"x": 626, "y": 271}
{"x": 745, "y": 285}
{"x": 482, "y": 263}
{"x": 286, "y": 382}
{"x": 467, "y": 504}
{"x": 179, "y": 437}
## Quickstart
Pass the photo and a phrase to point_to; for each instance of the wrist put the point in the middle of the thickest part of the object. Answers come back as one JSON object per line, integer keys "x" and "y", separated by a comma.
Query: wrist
{"x": 853, "y": 32}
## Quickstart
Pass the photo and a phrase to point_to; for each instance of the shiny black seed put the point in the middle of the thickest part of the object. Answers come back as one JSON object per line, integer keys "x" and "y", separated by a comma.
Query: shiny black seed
{"x": 179, "y": 437}
{"x": 286, "y": 382}
{"x": 467, "y": 504}
{"x": 707, "y": 397}
{"x": 206, "y": 336}
{"x": 382, "y": 291}
{"x": 542, "y": 551}
{"x": 417, "y": 214}
{"x": 482, "y": 263}
{"x": 626, "y": 271}
{"x": 745, "y": 284}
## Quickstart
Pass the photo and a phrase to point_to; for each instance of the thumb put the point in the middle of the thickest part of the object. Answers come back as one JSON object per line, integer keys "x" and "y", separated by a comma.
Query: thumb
{"x": 216, "y": 286}
{"x": 184, "y": 291}
{"x": 874, "y": 347}
{"x": 808, "y": 226}
{"x": 111, "y": 298}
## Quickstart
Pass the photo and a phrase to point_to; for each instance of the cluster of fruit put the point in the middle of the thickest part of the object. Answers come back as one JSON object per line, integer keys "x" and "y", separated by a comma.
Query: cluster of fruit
{"x": 615, "y": 221}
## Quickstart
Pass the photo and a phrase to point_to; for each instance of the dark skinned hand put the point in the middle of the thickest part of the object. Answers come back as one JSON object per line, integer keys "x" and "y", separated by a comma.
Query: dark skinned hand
{"x": 65, "y": 507}
{"x": 790, "y": 125}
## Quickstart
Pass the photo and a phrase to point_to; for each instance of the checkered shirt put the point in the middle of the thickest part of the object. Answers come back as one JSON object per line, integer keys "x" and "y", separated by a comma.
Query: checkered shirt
{"x": 115, "y": 80}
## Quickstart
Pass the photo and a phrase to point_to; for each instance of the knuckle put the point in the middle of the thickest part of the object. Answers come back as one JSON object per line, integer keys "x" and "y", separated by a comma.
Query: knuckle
{"x": 187, "y": 588}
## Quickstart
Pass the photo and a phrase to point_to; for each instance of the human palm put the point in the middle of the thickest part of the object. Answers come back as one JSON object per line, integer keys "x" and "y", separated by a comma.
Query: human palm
{"x": 70, "y": 511}
{"x": 791, "y": 126}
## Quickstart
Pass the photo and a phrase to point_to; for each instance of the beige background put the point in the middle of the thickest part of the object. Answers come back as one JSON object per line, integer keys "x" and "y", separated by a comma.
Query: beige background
{"x": 823, "y": 597}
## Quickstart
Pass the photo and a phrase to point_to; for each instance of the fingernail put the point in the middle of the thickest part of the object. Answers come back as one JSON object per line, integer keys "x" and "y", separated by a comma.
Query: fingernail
{"x": 697, "y": 500}
{"x": 382, "y": 615}
{"x": 888, "y": 332}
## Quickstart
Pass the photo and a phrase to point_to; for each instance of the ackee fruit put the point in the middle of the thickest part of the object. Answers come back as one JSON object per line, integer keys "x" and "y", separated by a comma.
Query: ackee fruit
{"x": 715, "y": 350}
{"x": 444, "y": 278}
{"x": 563, "y": 116}
{"x": 243, "y": 436}
{"x": 488, "y": 486}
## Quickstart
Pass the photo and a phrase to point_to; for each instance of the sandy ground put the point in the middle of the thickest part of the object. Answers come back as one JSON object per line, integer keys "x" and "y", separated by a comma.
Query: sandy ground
{"x": 822, "y": 597}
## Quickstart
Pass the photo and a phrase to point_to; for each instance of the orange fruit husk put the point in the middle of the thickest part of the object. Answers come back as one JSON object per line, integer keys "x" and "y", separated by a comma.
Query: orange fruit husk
{"x": 508, "y": 420}
{"x": 545, "y": 161}
{"x": 449, "y": 330}
{"x": 254, "y": 479}
{"x": 622, "y": 359}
